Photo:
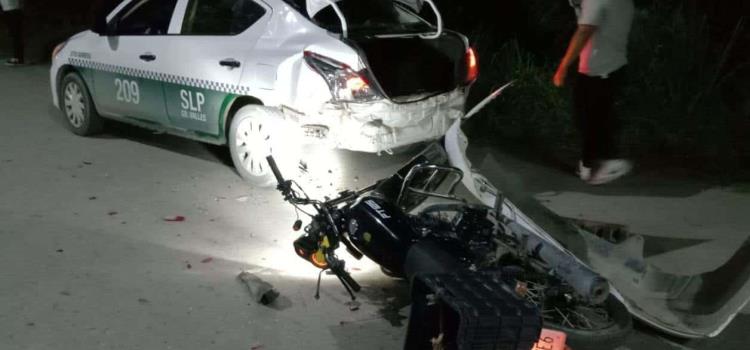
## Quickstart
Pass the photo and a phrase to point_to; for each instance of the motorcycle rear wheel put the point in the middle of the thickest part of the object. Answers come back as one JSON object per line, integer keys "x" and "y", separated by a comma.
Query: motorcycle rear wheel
{"x": 605, "y": 336}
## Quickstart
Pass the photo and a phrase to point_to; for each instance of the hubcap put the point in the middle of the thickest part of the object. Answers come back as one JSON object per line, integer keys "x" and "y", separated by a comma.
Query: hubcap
{"x": 253, "y": 141}
{"x": 75, "y": 109}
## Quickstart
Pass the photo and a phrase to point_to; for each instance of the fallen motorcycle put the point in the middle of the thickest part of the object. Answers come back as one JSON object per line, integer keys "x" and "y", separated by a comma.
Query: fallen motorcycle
{"x": 450, "y": 232}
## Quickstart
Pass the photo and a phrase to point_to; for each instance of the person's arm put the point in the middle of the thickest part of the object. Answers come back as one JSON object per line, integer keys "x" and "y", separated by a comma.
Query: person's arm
{"x": 577, "y": 43}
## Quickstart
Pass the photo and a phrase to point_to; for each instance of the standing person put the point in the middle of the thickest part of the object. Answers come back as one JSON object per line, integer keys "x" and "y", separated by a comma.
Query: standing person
{"x": 13, "y": 15}
{"x": 600, "y": 45}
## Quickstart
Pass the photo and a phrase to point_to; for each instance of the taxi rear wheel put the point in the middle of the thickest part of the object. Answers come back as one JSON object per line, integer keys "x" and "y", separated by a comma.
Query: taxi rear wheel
{"x": 255, "y": 133}
{"x": 77, "y": 106}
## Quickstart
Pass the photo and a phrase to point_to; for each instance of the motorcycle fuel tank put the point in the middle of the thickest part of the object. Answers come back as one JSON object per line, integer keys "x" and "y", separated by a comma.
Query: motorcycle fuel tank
{"x": 381, "y": 231}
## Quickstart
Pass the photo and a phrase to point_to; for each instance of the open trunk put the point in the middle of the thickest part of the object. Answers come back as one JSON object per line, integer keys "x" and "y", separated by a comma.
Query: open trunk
{"x": 408, "y": 68}
{"x": 407, "y": 57}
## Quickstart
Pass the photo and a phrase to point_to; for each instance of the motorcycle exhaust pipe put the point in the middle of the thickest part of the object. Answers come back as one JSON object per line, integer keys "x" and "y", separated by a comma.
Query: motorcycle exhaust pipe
{"x": 587, "y": 283}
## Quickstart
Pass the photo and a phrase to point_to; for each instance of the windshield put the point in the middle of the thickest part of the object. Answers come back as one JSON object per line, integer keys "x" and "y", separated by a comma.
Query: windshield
{"x": 367, "y": 17}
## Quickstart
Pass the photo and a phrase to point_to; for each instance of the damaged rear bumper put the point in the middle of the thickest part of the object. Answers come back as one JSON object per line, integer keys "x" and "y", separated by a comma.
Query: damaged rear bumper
{"x": 382, "y": 125}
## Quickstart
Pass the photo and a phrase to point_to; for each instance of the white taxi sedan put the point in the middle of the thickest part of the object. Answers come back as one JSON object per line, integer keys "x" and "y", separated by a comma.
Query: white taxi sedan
{"x": 259, "y": 75}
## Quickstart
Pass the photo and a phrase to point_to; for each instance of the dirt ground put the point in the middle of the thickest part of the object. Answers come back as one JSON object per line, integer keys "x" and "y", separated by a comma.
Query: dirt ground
{"x": 87, "y": 260}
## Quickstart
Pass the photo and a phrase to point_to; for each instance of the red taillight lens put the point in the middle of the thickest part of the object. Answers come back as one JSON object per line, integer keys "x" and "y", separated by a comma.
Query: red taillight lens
{"x": 472, "y": 65}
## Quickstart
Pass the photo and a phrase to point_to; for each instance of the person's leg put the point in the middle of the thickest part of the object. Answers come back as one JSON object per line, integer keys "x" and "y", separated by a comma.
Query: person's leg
{"x": 582, "y": 101}
{"x": 603, "y": 108}
{"x": 15, "y": 27}
{"x": 609, "y": 167}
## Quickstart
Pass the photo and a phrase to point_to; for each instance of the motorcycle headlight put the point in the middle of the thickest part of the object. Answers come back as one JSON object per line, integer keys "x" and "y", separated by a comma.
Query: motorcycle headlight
{"x": 345, "y": 84}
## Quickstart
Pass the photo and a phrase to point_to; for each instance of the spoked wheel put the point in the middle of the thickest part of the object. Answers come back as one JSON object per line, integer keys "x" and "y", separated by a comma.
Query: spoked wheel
{"x": 77, "y": 106}
{"x": 603, "y": 326}
{"x": 257, "y": 132}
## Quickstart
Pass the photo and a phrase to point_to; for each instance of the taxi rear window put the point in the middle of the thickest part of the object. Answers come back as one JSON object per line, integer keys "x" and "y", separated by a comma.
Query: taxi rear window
{"x": 220, "y": 17}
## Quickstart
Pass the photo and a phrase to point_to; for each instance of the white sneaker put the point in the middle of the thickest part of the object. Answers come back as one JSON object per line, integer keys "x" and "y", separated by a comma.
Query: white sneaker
{"x": 610, "y": 170}
{"x": 583, "y": 172}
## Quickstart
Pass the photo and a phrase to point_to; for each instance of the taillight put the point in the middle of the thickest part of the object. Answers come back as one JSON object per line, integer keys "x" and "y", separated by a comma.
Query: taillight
{"x": 472, "y": 65}
{"x": 345, "y": 84}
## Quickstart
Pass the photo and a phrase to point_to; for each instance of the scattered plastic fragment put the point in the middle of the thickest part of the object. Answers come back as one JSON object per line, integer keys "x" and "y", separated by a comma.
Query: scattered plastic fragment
{"x": 143, "y": 301}
{"x": 243, "y": 199}
{"x": 188, "y": 265}
{"x": 353, "y": 305}
{"x": 59, "y": 250}
{"x": 176, "y": 218}
{"x": 112, "y": 213}
{"x": 256, "y": 347}
{"x": 87, "y": 163}
{"x": 207, "y": 260}
{"x": 92, "y": 198}
{"x": 262, "y": 291}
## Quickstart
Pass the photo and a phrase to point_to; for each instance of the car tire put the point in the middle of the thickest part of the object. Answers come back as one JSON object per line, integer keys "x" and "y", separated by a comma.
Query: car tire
{"x": 255, "y": 133}
{"x": 77, "y": 106}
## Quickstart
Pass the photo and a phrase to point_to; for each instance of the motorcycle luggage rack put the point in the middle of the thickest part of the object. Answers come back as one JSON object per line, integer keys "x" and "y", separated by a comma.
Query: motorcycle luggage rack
{"x": 429, "y": 187}
{"x": 469, "y": 310}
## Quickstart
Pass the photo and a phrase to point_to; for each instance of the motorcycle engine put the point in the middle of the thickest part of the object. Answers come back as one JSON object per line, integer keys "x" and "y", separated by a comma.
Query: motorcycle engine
{"x": 472, "y": 229}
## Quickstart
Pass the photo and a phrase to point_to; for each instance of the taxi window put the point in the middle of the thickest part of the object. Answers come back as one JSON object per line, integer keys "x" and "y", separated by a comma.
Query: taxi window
{"x": 220, "y": 17}
{"x": 145, "y": 17}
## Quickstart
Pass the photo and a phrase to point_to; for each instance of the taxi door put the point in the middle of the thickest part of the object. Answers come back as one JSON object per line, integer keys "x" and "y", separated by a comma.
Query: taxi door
{"x": 205, "y": 62}
{"x": 129, "y": 61}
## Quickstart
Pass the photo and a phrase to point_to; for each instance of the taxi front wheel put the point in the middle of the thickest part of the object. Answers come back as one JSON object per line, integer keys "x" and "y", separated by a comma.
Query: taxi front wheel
{"x": 77, "y": 106}
{"x": 255, "y": 133}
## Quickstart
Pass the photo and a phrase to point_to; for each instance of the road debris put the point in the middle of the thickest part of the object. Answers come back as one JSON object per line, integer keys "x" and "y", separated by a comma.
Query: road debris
{"x": 112, "y": 213}
{"x": 207, "y": 260}
{"x": 92, "y": 198}
{"x": 175, "y": 218}
{"x": 242, "y": 199}
{"x": 353, "y": 305}
{"x": 59, "y": 250}
{"x": 262, "y": 291}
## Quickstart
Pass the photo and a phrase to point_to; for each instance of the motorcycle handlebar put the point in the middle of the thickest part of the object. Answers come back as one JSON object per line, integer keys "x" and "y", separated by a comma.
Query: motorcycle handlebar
{"x": 275, "y": 170}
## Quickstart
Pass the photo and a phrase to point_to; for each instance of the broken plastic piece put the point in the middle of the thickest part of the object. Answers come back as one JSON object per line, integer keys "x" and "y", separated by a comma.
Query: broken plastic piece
{"x": 353, "y": 305}
{"x": 176, "y": 218}
{"x": 260, "y": 290}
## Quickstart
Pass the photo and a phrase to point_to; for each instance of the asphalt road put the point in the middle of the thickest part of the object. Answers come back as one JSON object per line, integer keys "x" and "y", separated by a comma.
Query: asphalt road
{"x": 87, "y": 260}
